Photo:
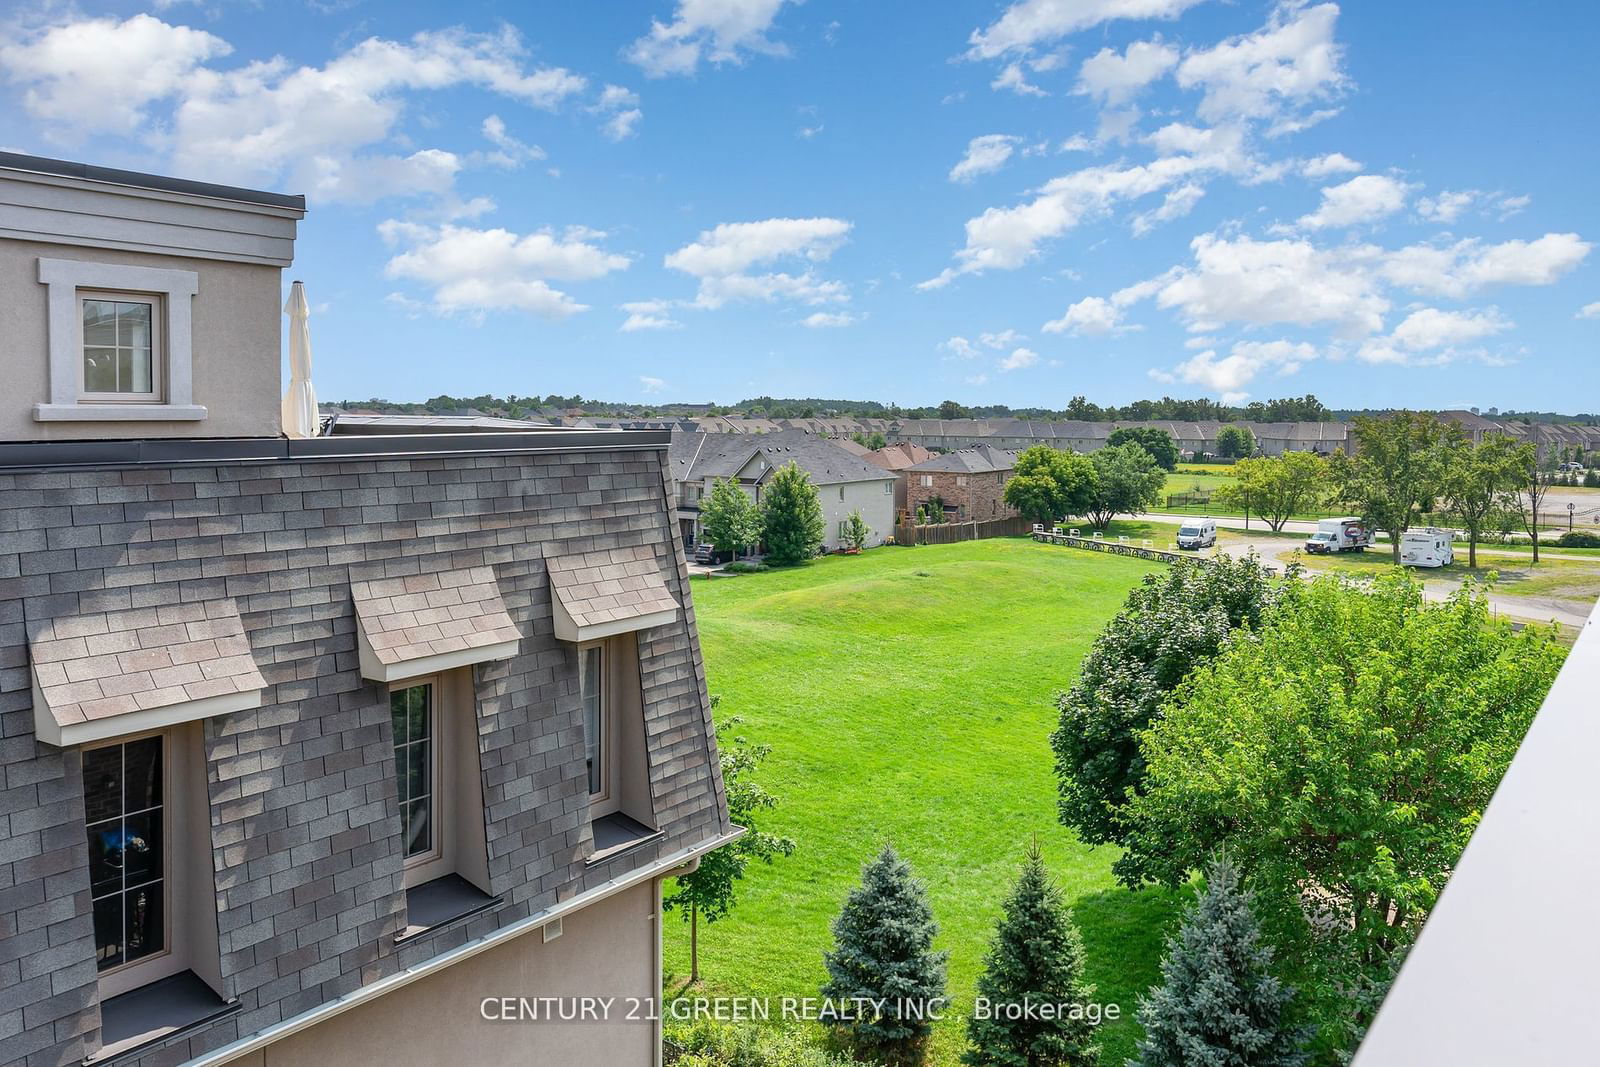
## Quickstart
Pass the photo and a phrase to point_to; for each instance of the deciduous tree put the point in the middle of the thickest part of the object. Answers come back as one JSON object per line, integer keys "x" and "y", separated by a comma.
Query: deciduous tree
{"x": 1480, "y": 480}
{"x": 791, "y": 516}
{"x": 1172, "y": 621}
{"x": 711, "y": 890}
{"x": 1049, "y": 483}
{"x": 1154, "y": 439}
{"x": 855, "y": 531}
{"x": 1342, "y": 757}
{"x": 1398, "y": 466}
{"x": 1127, "y": 482}
{"x": 1235, "y": 442}
{"x": 1277, "y": 488}
{"x": 729, "y": 517}
{"x": 1528, "y": 499}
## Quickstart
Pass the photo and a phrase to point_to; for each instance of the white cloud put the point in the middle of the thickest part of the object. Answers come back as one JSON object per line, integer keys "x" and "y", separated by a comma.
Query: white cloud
{"x": 1467, "y": 266}
{"x": 1011, "y": 77}
{"x": 1272, "y": 73}
{"x": 1329, "y": 165}
{"x": 333, "y": 131}
{"x": 1362, "y": 199}
{"x": 1229, "y": 374}
{"x": 1115, "y": 79}
{"x": 511, "y": 152}
{"x": 1447, "y": 206}
{"x": 1007, "y": 238}
{"x": 722, "y": 257}
{"x": 651, "y": 385}
{"x": 1589, "y": 311}
{"x": 985, "y": 155}
{"x": 475, "y": 271}
{"x": 1431, "y": 328}
{"x": 1273, "y": 282}
{"x": 961, "y": 347}
{"x": 1019, "y": 359}
{"x": 620, "y": 107}
{"x": 977, "y": 379}
{"x": 1178, "y": 203}
{"x": 1027, "y": 24}
{"x": 999, "y": 339}
{"x": 99, "y": 74}
{"x": 648, "y": 315}
{"x": 822, "y": 320}
{"x": 1092, "y": 316}
{"x": 717, "y": 31}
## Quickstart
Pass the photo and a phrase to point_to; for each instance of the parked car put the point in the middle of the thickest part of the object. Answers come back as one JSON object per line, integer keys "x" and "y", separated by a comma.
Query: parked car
{"x": 1428, "y": 546}
{"x": 704, "y": 553}
{"x": 1201, "y": 534}
{"x": 1339, "y": 535}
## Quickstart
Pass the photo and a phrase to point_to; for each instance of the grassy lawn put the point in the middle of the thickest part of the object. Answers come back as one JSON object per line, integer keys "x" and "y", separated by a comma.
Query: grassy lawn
{"x": 907, "y": 697}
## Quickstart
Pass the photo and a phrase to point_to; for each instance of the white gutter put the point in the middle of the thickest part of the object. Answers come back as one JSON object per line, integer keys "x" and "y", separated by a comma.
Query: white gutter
{"x": 323, "y": 1012}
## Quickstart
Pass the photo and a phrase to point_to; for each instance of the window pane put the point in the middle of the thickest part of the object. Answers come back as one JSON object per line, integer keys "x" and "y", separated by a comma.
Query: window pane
{"x": 99, "y": 322}
{"x": 139, "y": 380}
{"x": 418, "y": 828}
{"x": 102, "y": 783}
{"x": 397, "y": 711}
{"x": 142, "y": 784}
{"x": 133, "y": 325}
{"x": 145, "y": 920}
{"x": 141, "y": 848}
{"x": 105, "y": 860}
{"x": 100, "y": 370}
{"x": 419, "y": 707}
{"x": 108, "y": 931}
{"x": 590, "y": 691}
{"x": 419, "y": 770}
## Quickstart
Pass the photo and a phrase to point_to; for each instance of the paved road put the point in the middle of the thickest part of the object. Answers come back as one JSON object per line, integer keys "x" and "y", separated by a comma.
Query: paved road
{"x": 1297, "y": 526}
{"x": 1435, "y": 586}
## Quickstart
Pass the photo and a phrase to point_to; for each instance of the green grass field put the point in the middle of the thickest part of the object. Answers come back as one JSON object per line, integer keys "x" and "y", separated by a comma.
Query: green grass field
{"x": 907, "y": 697}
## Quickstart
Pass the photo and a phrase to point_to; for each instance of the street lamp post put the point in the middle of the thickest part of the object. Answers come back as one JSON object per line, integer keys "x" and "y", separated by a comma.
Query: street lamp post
{"x": 1571, "y": 506}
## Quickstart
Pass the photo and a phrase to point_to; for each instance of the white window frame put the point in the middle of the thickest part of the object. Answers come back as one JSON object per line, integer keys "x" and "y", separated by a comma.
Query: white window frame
{"x": 174, "y": 290}
{"x": 169, "y": 961}
{"x": 603, "y": 749}
{"x": 428, "y": 865}
{"x": 155, "y": 302}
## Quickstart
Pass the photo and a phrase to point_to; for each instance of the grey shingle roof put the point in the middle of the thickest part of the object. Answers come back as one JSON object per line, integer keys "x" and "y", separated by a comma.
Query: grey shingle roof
{"x": 611, "y": 586}
{"x": 980, "y": 460}
{"x": 422, "y": 615}
{"x": 722, "y": 455}
{"x": 93, "y": 667}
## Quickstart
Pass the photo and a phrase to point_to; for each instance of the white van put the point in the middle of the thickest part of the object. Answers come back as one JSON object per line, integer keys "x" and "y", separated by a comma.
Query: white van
{"x": 1428, "y": 546}
{"x": 1199, "y": 534}
{"x": 1339, "y": 535}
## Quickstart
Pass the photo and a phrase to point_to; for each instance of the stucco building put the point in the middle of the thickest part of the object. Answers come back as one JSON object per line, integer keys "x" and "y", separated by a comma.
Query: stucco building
{"x": 308, "y": 747}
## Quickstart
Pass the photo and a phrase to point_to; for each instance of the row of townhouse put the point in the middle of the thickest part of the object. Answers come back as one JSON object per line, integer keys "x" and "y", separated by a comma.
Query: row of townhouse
{"x": 846, "y": 483}
{"x": 312, "y": 747}
{"x": 1552, "y": 440}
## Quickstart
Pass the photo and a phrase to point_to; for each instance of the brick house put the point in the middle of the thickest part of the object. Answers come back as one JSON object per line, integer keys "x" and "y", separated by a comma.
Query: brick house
{"x": 310, "y": 747}
{"x": 970, "y": 482}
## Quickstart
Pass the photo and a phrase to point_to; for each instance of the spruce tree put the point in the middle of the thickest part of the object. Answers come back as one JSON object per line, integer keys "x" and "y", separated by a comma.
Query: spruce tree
{"x": 791, "y": 516}
{"x": 883, "y": 952}
{"x": 1218, "y": 1004}
{"x": 1036, "y": 958}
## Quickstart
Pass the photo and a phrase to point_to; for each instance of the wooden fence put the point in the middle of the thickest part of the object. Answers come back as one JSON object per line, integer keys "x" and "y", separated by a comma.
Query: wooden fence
{"x": 948, "y": 533}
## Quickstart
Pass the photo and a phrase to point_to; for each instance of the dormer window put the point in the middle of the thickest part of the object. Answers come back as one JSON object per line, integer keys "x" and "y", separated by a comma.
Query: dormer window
{"x": 121, "y": 347}
{"x": 121, "y": 343}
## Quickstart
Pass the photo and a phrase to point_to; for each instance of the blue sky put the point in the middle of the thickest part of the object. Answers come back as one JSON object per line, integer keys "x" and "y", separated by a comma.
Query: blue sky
{"x": 1383, "y": 204}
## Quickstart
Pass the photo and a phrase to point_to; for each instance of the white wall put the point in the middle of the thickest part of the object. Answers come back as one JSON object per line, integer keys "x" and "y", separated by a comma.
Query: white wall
{"x": 875, "y": 502}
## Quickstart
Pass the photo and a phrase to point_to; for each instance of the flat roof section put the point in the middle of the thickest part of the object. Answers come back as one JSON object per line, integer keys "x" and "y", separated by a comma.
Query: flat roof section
{"x": 38, "y": 456}
{"x": 139, "y": 180}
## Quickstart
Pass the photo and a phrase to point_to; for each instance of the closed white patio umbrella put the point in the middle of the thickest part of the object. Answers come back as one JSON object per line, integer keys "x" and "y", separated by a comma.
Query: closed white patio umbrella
{"x": 300, "y": 417}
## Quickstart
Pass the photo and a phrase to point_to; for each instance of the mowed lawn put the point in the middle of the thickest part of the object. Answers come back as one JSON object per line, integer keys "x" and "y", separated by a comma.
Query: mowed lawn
{"x": 907, "y": 697}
